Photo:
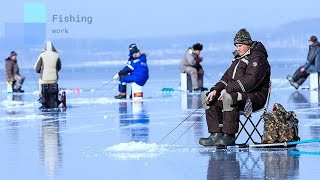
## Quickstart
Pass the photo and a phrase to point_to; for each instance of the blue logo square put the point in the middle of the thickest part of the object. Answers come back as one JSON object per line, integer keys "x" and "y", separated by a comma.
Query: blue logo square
{"x": 34, "y": 12}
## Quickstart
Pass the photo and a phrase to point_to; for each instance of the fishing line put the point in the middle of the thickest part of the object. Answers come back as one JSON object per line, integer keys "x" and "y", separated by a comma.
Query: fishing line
{"x": 182, "y": 121}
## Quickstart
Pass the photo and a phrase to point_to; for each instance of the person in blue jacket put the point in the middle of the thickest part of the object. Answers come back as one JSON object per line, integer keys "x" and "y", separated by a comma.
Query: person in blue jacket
{"x": 136, "y": 71}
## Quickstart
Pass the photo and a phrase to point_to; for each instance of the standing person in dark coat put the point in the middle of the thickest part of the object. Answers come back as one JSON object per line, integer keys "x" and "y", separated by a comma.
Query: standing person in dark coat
{"x": 12, "y": 73}
{"x": 248, "y": 77}
{"x": 312, "y": 64}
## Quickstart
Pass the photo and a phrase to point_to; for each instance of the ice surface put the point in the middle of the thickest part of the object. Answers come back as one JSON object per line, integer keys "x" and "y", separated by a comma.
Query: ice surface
{"x": 99, "y": 137}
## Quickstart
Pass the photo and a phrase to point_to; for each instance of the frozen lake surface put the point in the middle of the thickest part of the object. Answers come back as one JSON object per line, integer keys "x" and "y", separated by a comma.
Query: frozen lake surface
{"x": 99, "y": 137}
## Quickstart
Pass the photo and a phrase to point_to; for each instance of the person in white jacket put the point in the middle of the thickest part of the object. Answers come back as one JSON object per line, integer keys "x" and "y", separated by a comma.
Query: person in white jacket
{"x": 48, "y": 65}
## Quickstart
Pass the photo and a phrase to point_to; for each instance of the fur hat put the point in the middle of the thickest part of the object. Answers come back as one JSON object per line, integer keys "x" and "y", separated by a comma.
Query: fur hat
{"x": 242, "y": 37}
{"x": 197, "y": 46}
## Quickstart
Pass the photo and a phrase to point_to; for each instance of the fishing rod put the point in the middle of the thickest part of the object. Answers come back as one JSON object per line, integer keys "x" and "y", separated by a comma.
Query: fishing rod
{"x": 77, "y": 90}
{"x": 188, "y": 129}
{"x": 209, "y": 78}
{"x": 183, "y": 121}
{"x": 284, "y": 144}
{"x": 92, "y": 89}
{"x": 105, "y": 84}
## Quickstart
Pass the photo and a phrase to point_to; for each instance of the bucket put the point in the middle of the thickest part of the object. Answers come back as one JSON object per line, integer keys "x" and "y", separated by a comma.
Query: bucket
{"x": 137, "y": 92}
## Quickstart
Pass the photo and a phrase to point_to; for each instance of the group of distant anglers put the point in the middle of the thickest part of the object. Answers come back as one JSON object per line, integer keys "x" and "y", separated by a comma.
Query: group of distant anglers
{"x": 47, "y": 65}
{"x": 244, "y": 85}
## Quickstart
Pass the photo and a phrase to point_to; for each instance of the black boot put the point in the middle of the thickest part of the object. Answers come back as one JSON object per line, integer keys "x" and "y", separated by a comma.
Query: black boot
{"x": 123, "y": 91}
{"x": 211, "y": 140}
{"x": 198, "y": 89}
{"x": 120, "y": 97}
{"x": 227, "y": 140}
{"x": 18, "y": 91}
{"x": 294, "y": 83}
{"x": 204, "y": 89}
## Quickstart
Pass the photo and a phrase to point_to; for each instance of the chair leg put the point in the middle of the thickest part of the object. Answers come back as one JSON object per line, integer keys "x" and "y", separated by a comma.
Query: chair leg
{"x": 242, "y": 127}
{"x": 247, "y": 132}
{"x": 255, "y": 128}
{"x": 249, "y": 135}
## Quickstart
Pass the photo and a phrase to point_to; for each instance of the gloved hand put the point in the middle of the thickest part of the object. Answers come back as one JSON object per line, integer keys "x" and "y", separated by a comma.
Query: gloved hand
{"x": 116, "y": 76}
{"x": 200, "y": 59}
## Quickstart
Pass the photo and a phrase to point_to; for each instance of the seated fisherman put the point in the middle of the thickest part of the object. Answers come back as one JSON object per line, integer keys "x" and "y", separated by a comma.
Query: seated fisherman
{"x": 13, "y": 76}
{"x": 190, "y": 64}
{"x": 136, "y": 71}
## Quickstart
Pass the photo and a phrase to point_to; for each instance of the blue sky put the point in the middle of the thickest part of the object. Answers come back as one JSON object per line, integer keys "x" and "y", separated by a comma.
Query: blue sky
{"x": 154, "y": 18}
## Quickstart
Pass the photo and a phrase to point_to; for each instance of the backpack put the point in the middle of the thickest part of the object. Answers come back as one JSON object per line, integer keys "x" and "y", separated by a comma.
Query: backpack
{"x": 280, "y": 126}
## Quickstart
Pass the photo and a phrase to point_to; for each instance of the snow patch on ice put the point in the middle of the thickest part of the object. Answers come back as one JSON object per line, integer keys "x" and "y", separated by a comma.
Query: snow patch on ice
{"x": 141, "y": 150}
{"x": 28, "y": 117}
{"x": 14, "y": 104}
{"x": 79, "y": 101}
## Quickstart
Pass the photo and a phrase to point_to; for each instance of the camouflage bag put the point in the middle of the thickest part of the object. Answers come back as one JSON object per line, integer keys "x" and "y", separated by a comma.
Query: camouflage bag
{"x": 280, "y": 126}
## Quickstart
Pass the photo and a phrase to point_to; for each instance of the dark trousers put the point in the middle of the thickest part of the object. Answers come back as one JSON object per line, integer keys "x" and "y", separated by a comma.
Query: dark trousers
{"x": 229, "y": 119}
{"x": 299, "y": 77}
{"x": 123, "y": 82}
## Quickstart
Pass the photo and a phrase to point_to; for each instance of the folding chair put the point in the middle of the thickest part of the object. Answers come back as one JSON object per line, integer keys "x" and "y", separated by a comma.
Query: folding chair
{"x": 255, "y": 126}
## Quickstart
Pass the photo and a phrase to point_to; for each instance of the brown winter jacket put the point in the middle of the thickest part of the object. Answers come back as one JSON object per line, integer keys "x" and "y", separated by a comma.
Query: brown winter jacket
{"x": 248, "y": 75}
{"x": 12, "y": 69}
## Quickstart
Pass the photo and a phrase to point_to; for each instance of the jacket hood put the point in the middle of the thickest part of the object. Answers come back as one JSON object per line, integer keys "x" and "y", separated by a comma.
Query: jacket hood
{"x": 139, "y": 55}
{"x": 50, "y": 47}
{"x": 316, "y": 44}
{"x": 258, "y": 46}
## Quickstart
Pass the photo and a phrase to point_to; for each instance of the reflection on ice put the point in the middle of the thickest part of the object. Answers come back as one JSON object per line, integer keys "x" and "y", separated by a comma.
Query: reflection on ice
{"x": 253, "y": 164}
{"x": 16, "y": 101}
{"x": 50, "y": 143}
{"x": 134, "y": 121}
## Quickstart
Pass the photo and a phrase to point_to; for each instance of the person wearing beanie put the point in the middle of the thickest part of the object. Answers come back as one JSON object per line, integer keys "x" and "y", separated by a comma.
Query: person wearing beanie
{"x": 190, "y": 64}
{"x": 12, "y": 73}
{"x": 311, "y": 65}
{"x": 136, "y": 71}
{"x": 247, "y": 78}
